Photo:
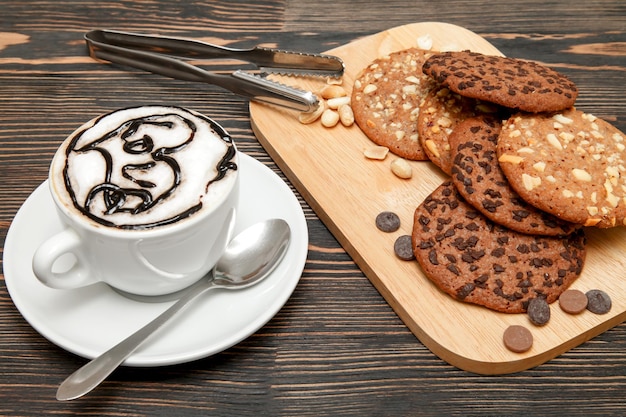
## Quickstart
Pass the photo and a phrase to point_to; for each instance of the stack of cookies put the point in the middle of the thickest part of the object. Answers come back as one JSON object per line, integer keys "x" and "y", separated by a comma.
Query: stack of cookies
{"x": 527, "y": 170}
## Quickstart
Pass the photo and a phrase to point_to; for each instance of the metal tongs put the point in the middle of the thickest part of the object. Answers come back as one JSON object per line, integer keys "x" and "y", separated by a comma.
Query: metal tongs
{"x": 165, "y": 56}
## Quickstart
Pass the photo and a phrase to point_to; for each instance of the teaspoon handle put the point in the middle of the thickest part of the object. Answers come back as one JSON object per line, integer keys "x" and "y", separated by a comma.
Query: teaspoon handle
{"x": 94, "y": 372}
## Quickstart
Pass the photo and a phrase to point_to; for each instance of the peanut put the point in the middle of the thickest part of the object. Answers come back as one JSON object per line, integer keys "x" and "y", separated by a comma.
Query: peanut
{"x": 412, "y": 79}
{"x": 530, "y": 182}
{"x": 592, "y": 222}
{"x": 369, "y": 89}
{"x": 336, "y": 102}
{"x": 514, "y": 159}
{"x": 330, "y": 118}
{"x": 346, "y": 115}
{"x": 562, "y": 119}
{"x": 376, "y": 152}
{"x": 581, "y": 174}
{"x": 540, "y": 166}
{"x": 334, "y": 80}
{"x": 333, "y": 91}
{"x": 554, "y": 141}
{"x": 432, "y": 147}
{"x": 612, "y": 199}
{"x": 425, "y": 42}
{"x": 401, "y": 168}
{"x": 307, "y": 118}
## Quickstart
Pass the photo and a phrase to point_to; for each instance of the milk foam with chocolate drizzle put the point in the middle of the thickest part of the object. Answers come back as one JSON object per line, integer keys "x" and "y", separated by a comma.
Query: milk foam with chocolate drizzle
{"x": 145, "y": 167}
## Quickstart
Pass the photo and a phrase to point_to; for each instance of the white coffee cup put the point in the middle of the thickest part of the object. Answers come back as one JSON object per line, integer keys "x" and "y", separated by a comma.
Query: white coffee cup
{"x": 147, "y": 196}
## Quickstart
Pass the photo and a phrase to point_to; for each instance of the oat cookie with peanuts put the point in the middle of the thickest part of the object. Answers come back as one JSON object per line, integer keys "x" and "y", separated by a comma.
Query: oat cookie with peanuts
{"x": 440, "y": 112}
{"x": 570, "y": 164}
{"x": 386, "y": 97}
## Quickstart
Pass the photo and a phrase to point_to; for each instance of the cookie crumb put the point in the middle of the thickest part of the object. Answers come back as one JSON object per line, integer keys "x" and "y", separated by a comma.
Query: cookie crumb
{"x": 376, "y": 152}
{"x": 425, "y": 42}
{"x": 517, "y": 338}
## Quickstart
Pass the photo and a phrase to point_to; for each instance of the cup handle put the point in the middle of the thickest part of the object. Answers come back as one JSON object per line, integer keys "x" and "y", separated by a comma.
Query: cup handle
{"x": 45, "y": 257}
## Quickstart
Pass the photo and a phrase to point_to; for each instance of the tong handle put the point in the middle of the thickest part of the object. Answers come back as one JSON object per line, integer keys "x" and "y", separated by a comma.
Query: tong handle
{"x": 244, "y": 84}
{"x": 266, "y": 59}
{"x": 183, "y": 48}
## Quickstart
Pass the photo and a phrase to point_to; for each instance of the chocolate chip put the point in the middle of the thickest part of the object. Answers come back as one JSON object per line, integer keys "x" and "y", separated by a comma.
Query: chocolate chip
{"x": 493, "y": 193}
{"x": 453, "y": 268}
{"x": 522, "y": 214}
{"x": 450, "y": 258}
{"x": 517, "y": 338}
{"x": 432, "y": 257}
{"x": 538, "y": 311}
{"x": 403, "y": 248}
{"x": 598, "y": 302}
{"x": 426, "y": 244}
{"x": 573, "y": 301}
{"x": 387, "y": 222}
{"x": 465, "y": 290}
{"x": 472, "y": 227}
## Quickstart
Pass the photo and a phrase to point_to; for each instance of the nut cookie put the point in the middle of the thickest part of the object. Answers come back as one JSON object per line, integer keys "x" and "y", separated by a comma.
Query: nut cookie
{"x": 385, "y": 101}
{"x": 479, "y": 179}
{"x": 514, "y": 83}
{"x": 440, "y": 111}
{"x": 477, "y": 261}
{"x": 570, "y": 164}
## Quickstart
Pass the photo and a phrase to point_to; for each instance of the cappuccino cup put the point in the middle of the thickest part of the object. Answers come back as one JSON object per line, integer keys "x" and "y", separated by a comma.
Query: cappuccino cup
{"x": 147, "y": 198}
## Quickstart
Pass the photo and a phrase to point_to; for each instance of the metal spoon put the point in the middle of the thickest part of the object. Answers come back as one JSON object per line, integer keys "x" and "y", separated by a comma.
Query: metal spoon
{"x": 249, "y": 258}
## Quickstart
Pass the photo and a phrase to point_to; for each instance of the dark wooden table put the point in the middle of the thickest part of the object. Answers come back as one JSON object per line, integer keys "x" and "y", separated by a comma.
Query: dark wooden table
{"x": 336, "y": 348}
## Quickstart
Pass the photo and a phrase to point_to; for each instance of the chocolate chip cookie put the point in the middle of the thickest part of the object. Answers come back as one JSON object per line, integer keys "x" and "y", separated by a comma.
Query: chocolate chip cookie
{"x": 477, "y": 261}
{"x": 477, "y": 176}
{"x": 514, "y": 83}
{"x": 440, "y": 111}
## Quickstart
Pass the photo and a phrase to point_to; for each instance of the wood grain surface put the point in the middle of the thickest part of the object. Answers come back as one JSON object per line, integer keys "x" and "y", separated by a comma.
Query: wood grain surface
{"x": 337, "y": 348}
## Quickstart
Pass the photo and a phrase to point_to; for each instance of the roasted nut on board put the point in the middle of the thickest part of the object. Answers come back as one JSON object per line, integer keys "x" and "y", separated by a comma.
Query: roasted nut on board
{"x": 330, "y": 118}
{"x": 401, "y": 168}
{"x": 307, "y": 118}
{"x": 346, "y": 116}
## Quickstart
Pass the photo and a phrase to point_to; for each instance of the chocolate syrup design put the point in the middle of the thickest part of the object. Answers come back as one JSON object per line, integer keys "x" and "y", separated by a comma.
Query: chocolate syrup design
{"x": 148, "y": 173}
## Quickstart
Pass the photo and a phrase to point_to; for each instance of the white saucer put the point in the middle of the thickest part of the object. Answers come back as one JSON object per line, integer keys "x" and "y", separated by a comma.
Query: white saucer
{"x": 90, "y": 320}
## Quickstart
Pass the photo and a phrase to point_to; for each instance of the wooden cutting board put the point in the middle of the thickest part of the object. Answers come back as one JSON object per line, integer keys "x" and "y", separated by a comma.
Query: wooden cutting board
{"x": 347, "y": 191}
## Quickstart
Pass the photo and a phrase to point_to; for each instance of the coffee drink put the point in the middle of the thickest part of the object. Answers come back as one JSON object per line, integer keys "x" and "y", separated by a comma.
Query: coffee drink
{"x": 147, "y": 197}
{"x": 144, "y": 167}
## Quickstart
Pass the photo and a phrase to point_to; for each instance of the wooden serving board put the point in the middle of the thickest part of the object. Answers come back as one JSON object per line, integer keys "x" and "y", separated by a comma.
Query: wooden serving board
{"x": 347, "y": 191}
